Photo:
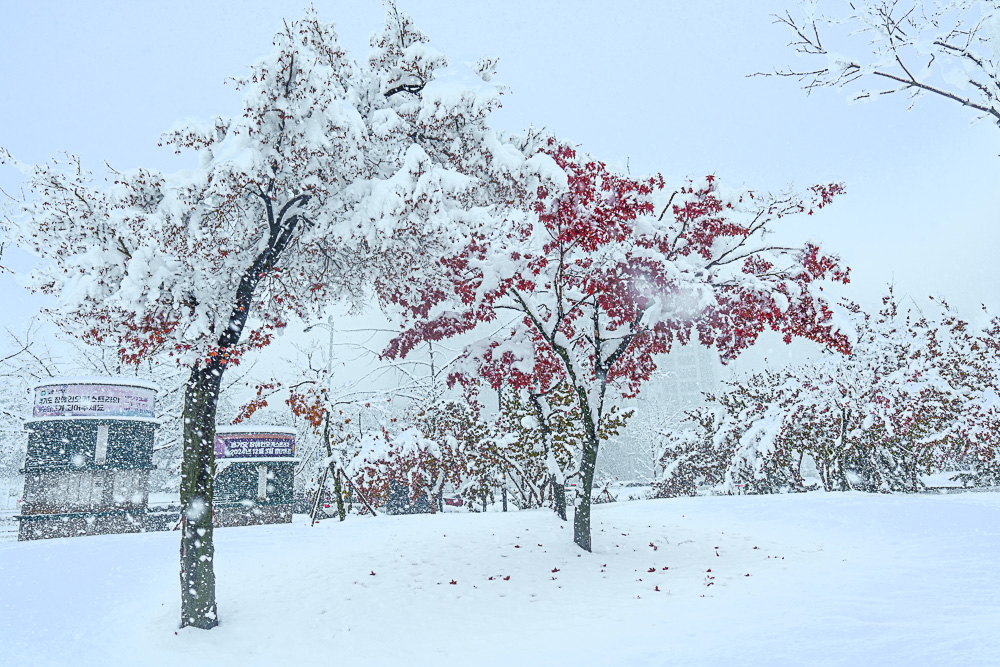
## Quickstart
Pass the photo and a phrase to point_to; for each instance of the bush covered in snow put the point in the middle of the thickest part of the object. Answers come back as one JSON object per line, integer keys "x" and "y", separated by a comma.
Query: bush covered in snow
{"x": 916, "y": 395}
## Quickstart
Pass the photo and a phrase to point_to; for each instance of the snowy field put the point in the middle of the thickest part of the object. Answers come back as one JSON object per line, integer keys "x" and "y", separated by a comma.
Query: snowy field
{"x": 834, "y": 579}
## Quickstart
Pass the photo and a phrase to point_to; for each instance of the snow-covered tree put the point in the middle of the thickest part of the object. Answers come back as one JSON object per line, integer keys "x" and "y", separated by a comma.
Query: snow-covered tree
{"x": 970, "y": 362}
{"x": 337, "y": 176}
{"x": 914, "y": 394}
{"x": 947, "y": 49}
{"x": 600, "y": 280}
{"x": 728, "y": 444}
{"x": 19, "y": 367}
{"x": 537, "y": 444}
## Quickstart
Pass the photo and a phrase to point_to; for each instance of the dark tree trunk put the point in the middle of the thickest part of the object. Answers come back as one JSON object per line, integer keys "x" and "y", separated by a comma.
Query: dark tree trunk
{"x": 338, "y": 489}
{"x": 581, "y": 518}
{"x": 591, "y": 419}
{"x": 201, "y": 397}
{"x": 591, "y": 443}
{"x": 333, "y": 468}
{"x": 559, "y": 495}
{"x": 592, "y": 426}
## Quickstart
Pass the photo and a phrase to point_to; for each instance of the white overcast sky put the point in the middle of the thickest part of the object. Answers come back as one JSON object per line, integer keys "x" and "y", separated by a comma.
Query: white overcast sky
{"x": 659, "y": 86}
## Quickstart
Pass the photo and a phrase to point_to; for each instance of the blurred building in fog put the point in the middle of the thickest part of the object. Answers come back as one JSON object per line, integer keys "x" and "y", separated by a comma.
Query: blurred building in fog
{"x": 681, "y": 379}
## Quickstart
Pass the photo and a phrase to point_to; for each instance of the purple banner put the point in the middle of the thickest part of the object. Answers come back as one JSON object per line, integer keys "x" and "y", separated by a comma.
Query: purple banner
{"x": 254, "y": 445}
{"x": 94, "y": 400}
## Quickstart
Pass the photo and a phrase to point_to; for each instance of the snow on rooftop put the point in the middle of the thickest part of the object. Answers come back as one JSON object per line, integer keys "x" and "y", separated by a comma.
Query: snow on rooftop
{"x": 97, "y": 379}
{"x": 252, "y": 430}
{"x": 107, "y": 417}
{"x": 256, "y": 459}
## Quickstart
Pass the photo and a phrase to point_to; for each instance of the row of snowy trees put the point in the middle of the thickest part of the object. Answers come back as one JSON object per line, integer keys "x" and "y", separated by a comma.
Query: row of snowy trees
{"x": 381, "y": 181}
{"x": 442, "y": 442}
{"x": 917, "y": 394}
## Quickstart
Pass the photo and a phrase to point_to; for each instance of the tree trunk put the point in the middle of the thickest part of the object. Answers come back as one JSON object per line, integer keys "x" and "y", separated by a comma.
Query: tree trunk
{"x": 581, "y": 518}
{"x": 201, "y": 396}
{"x": 338, "y": 489}
{"x": 559, "y": 495}
{"x": 334, "y": 468}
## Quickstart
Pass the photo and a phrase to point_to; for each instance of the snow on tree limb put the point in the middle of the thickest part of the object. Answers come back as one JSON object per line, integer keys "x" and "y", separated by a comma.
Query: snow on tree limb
{"x": 917, "y": 47}
{"x": 599, "y": 283}
{"x": 340, "y": 179}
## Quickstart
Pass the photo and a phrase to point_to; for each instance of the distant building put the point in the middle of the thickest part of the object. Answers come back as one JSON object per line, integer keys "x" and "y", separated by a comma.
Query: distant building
{"x": 90, "y": 450}
{"x": 682, "y": 377}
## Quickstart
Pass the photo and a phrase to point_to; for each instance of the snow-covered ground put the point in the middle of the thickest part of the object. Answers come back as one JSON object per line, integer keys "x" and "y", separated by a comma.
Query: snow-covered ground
{"x": 840, "y": 578}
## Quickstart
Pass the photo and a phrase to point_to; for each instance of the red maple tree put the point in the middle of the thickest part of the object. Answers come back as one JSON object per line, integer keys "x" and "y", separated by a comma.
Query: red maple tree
{"x": 609, "y": 272}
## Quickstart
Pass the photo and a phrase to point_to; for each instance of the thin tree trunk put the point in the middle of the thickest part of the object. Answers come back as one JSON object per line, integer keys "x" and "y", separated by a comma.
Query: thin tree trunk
{"x": 318, "y": 498}
{"x": 201, "y": 396}
{"x": 333, "y": 467}
{"x": 588, "y": 464}
{"x": 559, "y": 495}
{"x": 339, "y": 490}
{"x": 823, "y": 469}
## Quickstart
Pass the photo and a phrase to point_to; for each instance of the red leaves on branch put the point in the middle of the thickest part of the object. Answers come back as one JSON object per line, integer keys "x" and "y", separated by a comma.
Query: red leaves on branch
{"x": 264, "y": 391}
{"x": 614, "y": 271}
{"x": 308, "y": 404}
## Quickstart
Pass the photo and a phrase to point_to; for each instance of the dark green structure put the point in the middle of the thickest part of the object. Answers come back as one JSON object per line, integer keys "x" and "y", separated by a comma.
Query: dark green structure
{"x": 255, "y": 471}
{"x": 90, "y": 449}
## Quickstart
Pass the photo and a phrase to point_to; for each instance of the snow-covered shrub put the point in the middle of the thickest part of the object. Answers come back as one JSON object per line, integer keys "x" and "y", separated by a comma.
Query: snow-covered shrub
{"x": 918, "y": 392}
{"x": 688, "y": 458}
{"x": 736, "y": 443}
{"x": 972, "y": 364}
